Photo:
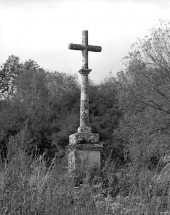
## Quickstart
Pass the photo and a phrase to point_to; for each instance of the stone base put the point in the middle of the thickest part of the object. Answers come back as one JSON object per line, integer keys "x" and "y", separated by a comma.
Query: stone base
{"x": 89, "y": 155}
{"x": 84, "y": 148}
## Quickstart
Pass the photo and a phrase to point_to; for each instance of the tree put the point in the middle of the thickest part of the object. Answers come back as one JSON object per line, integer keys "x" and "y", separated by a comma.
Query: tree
{"x": 8, "y": 74}
{"x": 144, "y": 93}
{"x": 28, "y": 102}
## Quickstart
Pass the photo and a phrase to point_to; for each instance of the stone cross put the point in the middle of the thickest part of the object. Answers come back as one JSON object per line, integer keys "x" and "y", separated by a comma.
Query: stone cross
{"x": 84, "y": 106}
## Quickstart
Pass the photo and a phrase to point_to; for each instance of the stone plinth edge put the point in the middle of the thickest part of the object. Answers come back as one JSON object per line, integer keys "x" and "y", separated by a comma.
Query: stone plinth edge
{"x": 90, "y": 147}
{"x": 83, "y": 138}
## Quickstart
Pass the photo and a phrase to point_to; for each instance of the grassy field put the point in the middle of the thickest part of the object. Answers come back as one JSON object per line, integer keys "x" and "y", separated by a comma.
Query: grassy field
{"x": 28, "y": 187}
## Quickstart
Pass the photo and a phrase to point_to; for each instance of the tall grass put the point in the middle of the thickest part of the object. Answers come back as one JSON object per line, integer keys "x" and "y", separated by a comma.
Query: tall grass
{"x": 28, "y": 186}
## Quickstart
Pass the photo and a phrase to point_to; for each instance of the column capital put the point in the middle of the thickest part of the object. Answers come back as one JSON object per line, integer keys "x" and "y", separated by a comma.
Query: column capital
{"x": 84, "y": 71}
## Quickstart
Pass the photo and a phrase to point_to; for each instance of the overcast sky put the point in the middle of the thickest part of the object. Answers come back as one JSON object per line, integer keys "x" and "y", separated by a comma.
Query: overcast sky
{"x": 41, "y": 30}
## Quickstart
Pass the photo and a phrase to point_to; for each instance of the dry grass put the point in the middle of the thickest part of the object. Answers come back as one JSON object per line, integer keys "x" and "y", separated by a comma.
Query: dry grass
{"x": 29, "y": 187}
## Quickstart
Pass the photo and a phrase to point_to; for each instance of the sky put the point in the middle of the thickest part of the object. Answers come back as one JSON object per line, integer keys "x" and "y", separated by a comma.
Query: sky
{"x": 41, "y": 30}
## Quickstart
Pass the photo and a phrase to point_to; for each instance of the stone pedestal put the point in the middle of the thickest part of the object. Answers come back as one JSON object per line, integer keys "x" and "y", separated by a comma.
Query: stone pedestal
{"x": 84, "y": 149}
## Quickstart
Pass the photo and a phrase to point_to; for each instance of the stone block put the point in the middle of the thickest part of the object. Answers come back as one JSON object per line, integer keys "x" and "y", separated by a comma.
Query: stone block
{"x": 88, "y": 154}
{"x": 89, "y": 157}
{"x": 83, "y": 138}
{"x": 84, "y": 148}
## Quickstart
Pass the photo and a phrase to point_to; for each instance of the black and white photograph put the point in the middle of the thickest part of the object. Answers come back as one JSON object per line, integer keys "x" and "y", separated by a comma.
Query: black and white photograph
{"x": 84, "y": 107}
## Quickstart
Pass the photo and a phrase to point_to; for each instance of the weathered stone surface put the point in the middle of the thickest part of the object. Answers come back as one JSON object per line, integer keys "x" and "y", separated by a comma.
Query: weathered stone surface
{"x": 84, "y": 48}
{"x": 88, "y": 154}
{"x": 84, "y": 145}
{"x": 84, "y": 148}
{"x": 89, "y": 147}
{"x": 85, "y": 72}
{"x": 84, "y": 129}
{"x": 72, "y": 159}
{"x": 84, "y": 104}
{"x": 83, "y": 138}
{"x": 89, "y": 157}
{"x": 78, "y": 47}
{"x": 94, "y": 48}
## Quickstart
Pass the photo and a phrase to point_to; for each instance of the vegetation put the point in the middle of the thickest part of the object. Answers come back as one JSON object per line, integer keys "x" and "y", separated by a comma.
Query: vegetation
{"x": 39, "y": 110}
{"x": 49, "y": 103}
{"x": 144, "y": 96}
{"x": 28, "y": 186}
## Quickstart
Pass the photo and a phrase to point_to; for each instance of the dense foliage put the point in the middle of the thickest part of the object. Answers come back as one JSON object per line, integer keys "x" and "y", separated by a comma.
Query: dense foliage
{"x": 48, "y": 103}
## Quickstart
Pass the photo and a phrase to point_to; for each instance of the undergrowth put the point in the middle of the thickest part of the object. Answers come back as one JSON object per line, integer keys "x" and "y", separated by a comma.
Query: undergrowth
{"x": 28, "y": 186}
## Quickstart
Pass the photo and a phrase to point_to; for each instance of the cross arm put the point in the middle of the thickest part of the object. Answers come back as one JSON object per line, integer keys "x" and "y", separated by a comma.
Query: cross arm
{"x": 75, "y": 46}
{"x": 94, "y": 48}
{"x": 80, "y": 47}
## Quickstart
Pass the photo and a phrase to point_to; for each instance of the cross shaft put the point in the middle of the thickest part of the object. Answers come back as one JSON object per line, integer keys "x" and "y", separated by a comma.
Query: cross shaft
{"x": 84, "y": 105}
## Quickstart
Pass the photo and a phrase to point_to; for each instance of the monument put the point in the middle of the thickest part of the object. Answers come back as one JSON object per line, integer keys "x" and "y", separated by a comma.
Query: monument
{"x": 84, "y": 146}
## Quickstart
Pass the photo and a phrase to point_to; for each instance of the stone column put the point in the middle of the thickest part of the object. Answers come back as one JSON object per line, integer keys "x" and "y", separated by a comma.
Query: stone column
{"x": 84, "y": 103}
